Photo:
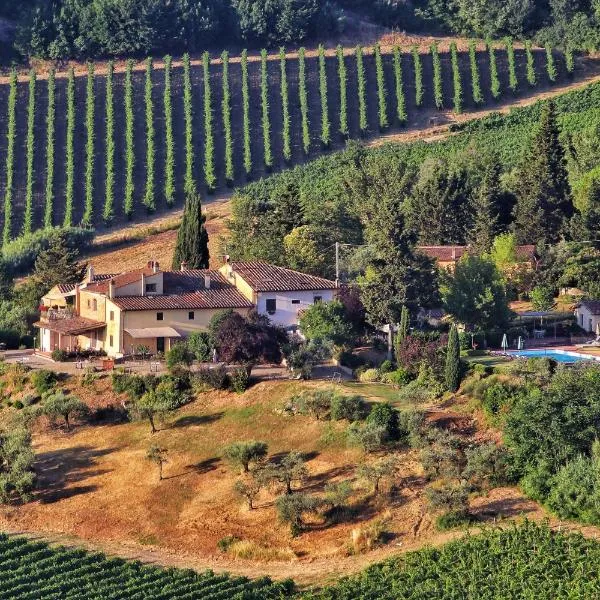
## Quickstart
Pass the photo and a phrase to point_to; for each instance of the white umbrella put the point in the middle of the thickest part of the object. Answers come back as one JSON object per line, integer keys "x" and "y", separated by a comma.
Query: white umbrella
{"x": 598, "y": 329}
{"x": 520, "y": 343}
{"x": 504, "y": 342}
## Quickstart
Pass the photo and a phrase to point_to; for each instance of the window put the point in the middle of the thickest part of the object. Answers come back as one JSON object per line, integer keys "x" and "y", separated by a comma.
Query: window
{"x": 271, "y": 306}
{"x": 112, "y": 315}
{"x": 318, "y": 299}
{"x": 150, "y": 288}
{"x": 295, "y": 301}
{"x": 110, "y": 341}
{"x": 191, "y": 315}
{"x": 95, "y": 304}
{"x": 160, "y": 316}
{"x": 89, "y": 303}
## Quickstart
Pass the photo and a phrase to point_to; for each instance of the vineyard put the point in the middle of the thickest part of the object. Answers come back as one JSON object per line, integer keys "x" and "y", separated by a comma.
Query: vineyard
{"x": 34, "y": 571}
{"x": 526, "y": 561}
{"x": 127, "y": 140}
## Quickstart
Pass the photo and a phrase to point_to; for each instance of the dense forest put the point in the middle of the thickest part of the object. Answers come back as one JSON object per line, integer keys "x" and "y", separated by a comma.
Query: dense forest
{"x": 94, "y": 28}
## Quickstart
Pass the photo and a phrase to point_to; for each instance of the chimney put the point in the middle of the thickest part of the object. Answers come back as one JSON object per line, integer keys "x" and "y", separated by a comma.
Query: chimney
{"x": 226, "y": 259}
{"x": 184, "y": 266}
{"x": 143, "y": 284}
{"x": 453, "y": 253}
{"x": 111, "y": 289}
{"x": 77, "y": 299}
{"x": 207, "y": 281}
{"x": 90, "y": 274}
{"x": 155, "y": 266}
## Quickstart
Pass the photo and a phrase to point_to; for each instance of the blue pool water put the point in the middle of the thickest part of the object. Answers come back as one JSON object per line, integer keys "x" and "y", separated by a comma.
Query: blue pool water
{"x": 562, "y": 356}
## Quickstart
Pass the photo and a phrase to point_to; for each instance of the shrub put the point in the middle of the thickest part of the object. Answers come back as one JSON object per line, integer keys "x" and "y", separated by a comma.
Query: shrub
{"x": 303, "y": 99}
{"x": 385, "y": 415}
{"x": 453, "y": 520}
{"x": 50, "y": 131}
{"x": 316, "y": 403}
{"x": 239, "y": 379}
{"x": 291, "y": 509}
{"x": 89, "y": 147}
{"x": 343, "y": 85}
{"x": 475, "y": 78}
{"x": 43, "y": 380}
{"x": 416, "y": 392}
{"x": 226, "y": 116}
{"x": 418, "y": 70}
{"x": 30, "y": 144}
{"x": 88, "y": 377}
{"x": 241, "y": 454}
{"x": 381, "y": 89}
{"x": 371, "y": 437}
{"x": 351, "y": 408}
{"x": 397, "y": 378}
{"x": 498, "y": 398}
{"x": 400, "y": 96}
{"x": 370, "y": 376}
{"x": 375, "y": 472}
{"x": 199, "y": 344}
{"x": 448, "y": 496}
{"x": 209, "y": 140}
{"x": 226, "y": 542}
{"x": 213, "y": 378}
{"x": 487, "y": 465}
{"x": 179, "y": 355}
{"x": 387, "y": 366}
{"x": 59, "y": 355}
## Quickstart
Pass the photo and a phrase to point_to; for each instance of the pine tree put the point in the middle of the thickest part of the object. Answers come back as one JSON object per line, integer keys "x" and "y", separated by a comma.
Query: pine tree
{"x": 59, "y": 263}
{"x": 544, "y": 200}
{"x": 191, "y": 247}
{"x": 452, "y": 370}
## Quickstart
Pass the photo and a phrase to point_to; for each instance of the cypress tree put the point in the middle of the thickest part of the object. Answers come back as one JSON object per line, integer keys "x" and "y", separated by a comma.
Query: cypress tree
{"x": 192, "y": 238}
{"x": 544, "y": 201}
{"x": 452, "y": 371}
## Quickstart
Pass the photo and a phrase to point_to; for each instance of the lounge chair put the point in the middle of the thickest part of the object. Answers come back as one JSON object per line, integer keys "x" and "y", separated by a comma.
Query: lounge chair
{"x": 591, "y": 344}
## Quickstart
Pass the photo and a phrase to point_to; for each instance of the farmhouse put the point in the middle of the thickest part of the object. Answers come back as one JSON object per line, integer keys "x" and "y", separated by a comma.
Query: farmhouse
{"x": 447, "y": 256}
{"x": 587, "y": 314}
{"x": 153, "y": 308}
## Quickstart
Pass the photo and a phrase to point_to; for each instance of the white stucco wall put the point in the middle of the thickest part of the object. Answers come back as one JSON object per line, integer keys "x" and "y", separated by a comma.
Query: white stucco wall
{"x": 286, "y": 313}
{"x": 586, "y": 320}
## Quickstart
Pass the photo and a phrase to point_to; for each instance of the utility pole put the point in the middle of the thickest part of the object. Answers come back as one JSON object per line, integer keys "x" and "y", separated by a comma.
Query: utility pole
{"x": 337, "y": 264}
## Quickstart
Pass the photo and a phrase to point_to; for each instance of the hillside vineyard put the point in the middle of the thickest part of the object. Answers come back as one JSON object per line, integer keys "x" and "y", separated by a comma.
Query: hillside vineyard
{"x": 121, "y": 140}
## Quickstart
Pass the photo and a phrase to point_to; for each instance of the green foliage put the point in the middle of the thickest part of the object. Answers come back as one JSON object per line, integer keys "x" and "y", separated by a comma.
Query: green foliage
{"x": 179, "y": 356}
{"x": 109, "y": 191}
{"x": 169, "y": 171}
{"x": 385, "y": 415}
{"x": 400, "y": 95}
{"x": 226, "y": 115}
{"x": 88, "y": 211}
{"x": 325, "y": 122}
{"x": 487, "y": 466}
{"x": 66, "y": 407}
{"x": 303, "y": 98}
{"x": 381, "y": 90}
{"x": 438, "y": 94}
{"x": 43, "y": 380}
{"x": 418, "y": 72}
{"x": 266, "y": 117}
{"x": 199, "y": 344}
{"x": 551, "y": 65}
{"x": 129, "y": 142}
{"x": 531, "y": 75}
{"x": 513, "y": 82}
{"x": 240, "y": 380}
{"x": 326, "y": 321}
{"x": 456, "y": 79}
{"x": 343, "y": 85}
{"x": 10, "y": 158}
{"x": 83, "y": 574}
{"x": 570, "y": 60}
{"x": 291, "y": 509}
{"x": 452, "y": 370}
{"x": 494, "y": 79}
{"x": 351, "y": 408}
{"x": 375, "y": 472}
{"x": 191, "y": 246}
{"x": 209, "y": 140}
{"x": 542, "y": 298}
{"x": 475, "y": 295}
{"x": 475, "y": 77}
{"x": 50, "y": 127}
{"x": 246, "y": 115}
{"x": 70, "y": 151}
{"x": 17, "y": 476}
{"x": 149, "y": 199}
{"x": 188, "y": 117}
{"x": 242, "y": 454}
{"x": 361, "y": 79}
{"x": 30, "y": 144}
{"x": 285, "y": 107}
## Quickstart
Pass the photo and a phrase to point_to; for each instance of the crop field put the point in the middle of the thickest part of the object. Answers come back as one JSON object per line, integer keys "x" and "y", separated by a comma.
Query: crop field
{"x": 128, "y": 139}
{"x": 34, "y": 571}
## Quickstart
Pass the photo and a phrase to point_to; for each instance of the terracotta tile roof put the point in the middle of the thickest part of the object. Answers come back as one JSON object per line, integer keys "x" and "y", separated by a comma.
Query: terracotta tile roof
{"x": 592, "y": 305}
{"x": 71, "y": 326}
{"x": 192, "y": 280}
{"x": 65, "y": 288}
{"x": 451, "y": 253}
{"x": 263, "y": 277}
{"x": 205, "y": 299}
{"x": 101, "y": 282}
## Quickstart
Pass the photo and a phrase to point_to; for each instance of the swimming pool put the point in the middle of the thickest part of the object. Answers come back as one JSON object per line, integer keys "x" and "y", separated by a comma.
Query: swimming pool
{"x": 562, "y": 356}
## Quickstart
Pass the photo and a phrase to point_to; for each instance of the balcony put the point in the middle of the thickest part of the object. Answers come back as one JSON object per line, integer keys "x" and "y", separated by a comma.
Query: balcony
{"x": 56, "y": 314}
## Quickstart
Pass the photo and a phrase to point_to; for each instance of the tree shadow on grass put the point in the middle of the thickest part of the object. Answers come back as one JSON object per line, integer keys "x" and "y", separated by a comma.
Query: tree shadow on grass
{"x": 190, "y": 420}
{"x": 59, "y": 470}
{"x": 205, "y": 466}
